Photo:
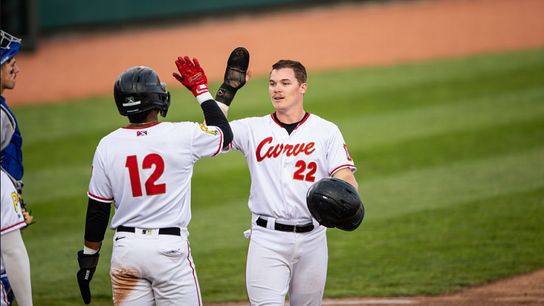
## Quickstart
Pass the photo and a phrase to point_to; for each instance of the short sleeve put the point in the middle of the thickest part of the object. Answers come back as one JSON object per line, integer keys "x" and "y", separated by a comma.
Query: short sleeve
{"x": 240, "y": 133}
{"x": 338, "y": 156}
{"x": 99, "y": 186}
{"x": 207, "y": 140}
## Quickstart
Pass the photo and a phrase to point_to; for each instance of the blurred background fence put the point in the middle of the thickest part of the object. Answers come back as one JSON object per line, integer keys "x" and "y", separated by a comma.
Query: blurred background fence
{"x": 81, "y": 46}
{"x": 30, "y": 19}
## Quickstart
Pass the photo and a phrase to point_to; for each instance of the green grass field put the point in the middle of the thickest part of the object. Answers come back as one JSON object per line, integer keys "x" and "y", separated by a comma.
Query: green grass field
{"x": 450, "y": 158}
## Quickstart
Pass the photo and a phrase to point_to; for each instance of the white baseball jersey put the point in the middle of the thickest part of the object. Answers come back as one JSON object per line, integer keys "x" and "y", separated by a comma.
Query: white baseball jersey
{"x": 147, "y": 172}
{"x": 12, "y": 216}
{"x": 283, "y": 166}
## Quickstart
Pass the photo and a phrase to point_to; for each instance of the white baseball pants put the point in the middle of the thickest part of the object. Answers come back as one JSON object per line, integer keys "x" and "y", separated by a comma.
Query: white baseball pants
{"x": 150, "y": 269}
{"x": 280, "y": 263}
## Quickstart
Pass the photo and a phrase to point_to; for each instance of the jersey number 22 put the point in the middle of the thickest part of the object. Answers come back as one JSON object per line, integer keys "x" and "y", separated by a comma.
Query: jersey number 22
{"x": 301, "y": 174}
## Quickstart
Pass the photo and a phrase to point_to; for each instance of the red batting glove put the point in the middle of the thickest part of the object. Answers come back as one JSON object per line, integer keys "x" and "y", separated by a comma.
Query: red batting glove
{"x": 191, "y": 75}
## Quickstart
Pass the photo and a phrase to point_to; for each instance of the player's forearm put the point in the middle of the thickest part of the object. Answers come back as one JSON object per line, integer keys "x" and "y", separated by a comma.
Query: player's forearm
{"x": 17, "y": 264}
{"x": 95, "y": 246}
{"x": 347, "y": 175}
{"x": 224, "y": 97}
{"x": 224, "y": 108}
{"x": 215, "y": 117}
{"x": 98, "y": 215}
{"x": 352, "y": 181}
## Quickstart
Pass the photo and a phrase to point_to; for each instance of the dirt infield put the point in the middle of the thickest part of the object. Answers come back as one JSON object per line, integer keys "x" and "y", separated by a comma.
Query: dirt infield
{"x": 347, "y": 35}
{"x": 343, "y": 36}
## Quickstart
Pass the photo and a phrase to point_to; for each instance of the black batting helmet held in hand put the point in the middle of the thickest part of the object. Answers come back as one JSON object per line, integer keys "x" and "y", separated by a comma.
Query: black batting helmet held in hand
{"x": 335, "y": 203}
{"x": 139, "y": 89}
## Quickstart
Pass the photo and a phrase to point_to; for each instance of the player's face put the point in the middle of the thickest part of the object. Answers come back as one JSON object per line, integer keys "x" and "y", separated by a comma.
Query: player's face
{"x": 9, "y": 74}
{"x": 285, "y": 91}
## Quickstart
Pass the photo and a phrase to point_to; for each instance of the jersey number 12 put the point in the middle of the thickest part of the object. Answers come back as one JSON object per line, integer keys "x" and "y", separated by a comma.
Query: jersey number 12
{"x": 151, "y": 188}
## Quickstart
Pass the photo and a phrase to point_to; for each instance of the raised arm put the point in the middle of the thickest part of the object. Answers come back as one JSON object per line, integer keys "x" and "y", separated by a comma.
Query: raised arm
{"x": 192, "y": 76}
{"x": 236, "y": 75}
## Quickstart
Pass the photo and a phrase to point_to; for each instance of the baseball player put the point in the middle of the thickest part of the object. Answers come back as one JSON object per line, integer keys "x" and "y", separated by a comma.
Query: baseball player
{"x": 145, "y": 169}
{"x": 286, "y": 152}
{"x": 12, "y": 140}
{"x": 12, "y": 159}
{"x": 15, "y": 263}
{"x": 12, "y": 173}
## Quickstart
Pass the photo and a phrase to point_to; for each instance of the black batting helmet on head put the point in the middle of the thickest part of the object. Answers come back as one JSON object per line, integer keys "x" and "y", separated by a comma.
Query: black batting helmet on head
{"x": 139, "y": 89}
{"x": 335, "y": 203}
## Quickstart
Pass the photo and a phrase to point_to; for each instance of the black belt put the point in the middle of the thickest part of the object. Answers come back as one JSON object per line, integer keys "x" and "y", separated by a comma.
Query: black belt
{"x": 162, "y": 231}
{"x": 287, "y": 228}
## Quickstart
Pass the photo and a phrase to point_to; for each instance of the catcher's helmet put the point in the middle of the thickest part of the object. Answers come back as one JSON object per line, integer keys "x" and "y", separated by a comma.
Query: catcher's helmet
{"x": 9, "y": 46}
{"x": 335, "y": 203}
{"x": 138, "y": 90}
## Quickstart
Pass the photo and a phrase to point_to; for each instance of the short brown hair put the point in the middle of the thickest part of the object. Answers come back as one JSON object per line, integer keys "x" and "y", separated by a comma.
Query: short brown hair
{"x": 298, "y": 68}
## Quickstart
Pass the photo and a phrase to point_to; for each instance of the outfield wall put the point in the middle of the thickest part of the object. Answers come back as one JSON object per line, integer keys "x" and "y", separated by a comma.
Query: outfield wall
{"x": 61, "y": 14}
{"x": 32, "y": 19}
{"x": 327, "y": 37}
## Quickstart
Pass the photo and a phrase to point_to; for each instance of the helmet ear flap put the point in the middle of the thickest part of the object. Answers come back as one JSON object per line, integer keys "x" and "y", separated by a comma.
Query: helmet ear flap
{"x": 166, "y": 103}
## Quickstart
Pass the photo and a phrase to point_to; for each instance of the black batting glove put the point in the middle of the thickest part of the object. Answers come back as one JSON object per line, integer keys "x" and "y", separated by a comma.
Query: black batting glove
{"x": 87, "y": 266}
{"x": 235, "y": 75}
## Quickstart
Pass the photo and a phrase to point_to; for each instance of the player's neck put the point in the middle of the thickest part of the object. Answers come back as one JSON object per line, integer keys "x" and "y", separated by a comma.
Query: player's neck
{"x": 142, "y": 124}
{"x": 151, "y": 119}
{"x": 290, "y": 117}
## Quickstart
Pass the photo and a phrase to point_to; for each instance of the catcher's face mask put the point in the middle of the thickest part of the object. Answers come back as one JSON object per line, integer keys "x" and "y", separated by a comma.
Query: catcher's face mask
{"x": 9, "y": 46}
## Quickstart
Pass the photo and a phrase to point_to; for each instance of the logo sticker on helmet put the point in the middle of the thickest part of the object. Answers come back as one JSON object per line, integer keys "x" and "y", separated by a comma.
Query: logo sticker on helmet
{"x": 131, "y": 102}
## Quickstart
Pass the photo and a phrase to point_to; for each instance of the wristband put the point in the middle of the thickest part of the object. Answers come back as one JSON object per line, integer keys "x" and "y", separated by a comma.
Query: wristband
{"x": 225, "y": 94}
{"x": 204, "y": 97}
{"x": 199, "y": 89}
{"x": 89, "y": 251}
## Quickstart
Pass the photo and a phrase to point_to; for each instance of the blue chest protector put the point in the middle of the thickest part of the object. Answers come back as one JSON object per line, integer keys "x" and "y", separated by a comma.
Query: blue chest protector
{"x": 12, "y": 155}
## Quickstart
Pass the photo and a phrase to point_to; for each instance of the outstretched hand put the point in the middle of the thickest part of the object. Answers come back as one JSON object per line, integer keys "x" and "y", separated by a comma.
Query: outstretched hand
{"x": 236, "y": 75}
{"x": 191, "y": 75}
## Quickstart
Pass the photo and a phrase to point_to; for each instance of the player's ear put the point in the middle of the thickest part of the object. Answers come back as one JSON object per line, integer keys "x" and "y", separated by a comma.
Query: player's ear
{"x": 303, "y": 87}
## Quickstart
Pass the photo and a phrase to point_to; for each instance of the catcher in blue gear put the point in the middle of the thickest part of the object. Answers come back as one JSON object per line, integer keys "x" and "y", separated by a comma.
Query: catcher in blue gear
{"x": 15, "y": 261}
